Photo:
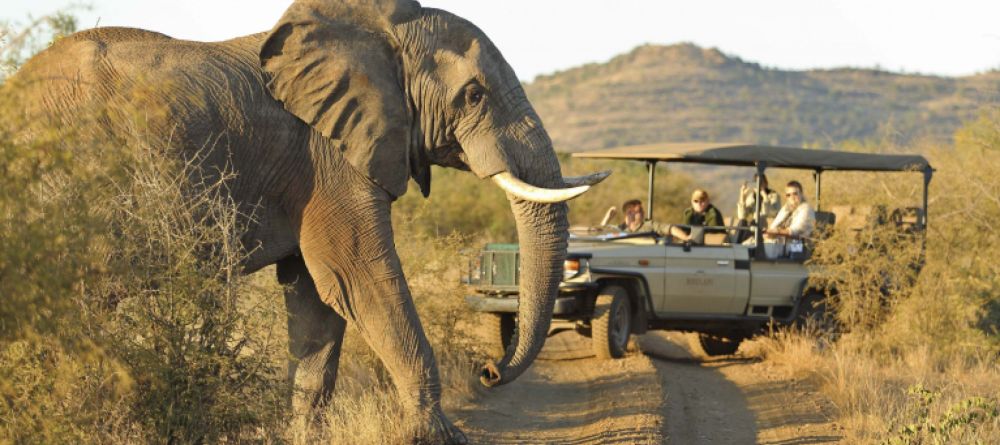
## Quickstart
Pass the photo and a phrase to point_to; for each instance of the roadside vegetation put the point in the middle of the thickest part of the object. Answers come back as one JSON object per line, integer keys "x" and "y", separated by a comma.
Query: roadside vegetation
{"x": 918, "y": 363}
{"x": 124, "y": 318}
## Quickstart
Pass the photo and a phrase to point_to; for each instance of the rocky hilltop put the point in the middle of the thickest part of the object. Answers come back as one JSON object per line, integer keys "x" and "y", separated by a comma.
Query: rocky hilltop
{"x": 685, "y": 93}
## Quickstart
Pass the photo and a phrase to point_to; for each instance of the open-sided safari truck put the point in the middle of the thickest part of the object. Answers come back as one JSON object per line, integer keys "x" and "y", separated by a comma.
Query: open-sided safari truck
{"x": 618, "y": 284}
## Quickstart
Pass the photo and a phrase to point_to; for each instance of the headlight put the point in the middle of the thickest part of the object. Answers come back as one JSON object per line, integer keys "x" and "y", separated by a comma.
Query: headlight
{"x": 572, "y": 267}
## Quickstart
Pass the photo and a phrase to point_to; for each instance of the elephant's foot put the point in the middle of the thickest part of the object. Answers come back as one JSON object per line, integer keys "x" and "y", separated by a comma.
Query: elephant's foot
{"x": 437, "y": 429}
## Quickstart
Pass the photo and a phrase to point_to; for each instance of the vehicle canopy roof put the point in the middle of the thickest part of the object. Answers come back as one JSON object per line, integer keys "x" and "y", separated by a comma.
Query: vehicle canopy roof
{"x": 741, "y": 154}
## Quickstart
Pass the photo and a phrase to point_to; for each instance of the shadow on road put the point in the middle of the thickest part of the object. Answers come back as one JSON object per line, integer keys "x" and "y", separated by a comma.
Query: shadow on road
{"x": 731, "y": 399}
{"x": 700, "y": 406}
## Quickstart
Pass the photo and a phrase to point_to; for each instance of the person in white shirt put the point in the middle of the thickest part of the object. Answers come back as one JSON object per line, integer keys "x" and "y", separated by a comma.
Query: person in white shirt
{"x": 796, "y": 219}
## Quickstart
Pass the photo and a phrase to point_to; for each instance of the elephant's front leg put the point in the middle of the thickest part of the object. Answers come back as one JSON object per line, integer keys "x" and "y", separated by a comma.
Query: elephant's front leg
{"x": 315, "y": 337}
{"x": 348, "y": 248}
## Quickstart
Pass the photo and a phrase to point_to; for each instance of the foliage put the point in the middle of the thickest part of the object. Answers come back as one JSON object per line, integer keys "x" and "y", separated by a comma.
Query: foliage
{"x": 198, "y": 336}
{"x": 120, "y": 277}
{"x": 19, "y": 42}
{"x": 57, "y": 377}
{"x": 960, "y": 418}
{"x": 907, "y": 327}
{"x": 142, "y": 329}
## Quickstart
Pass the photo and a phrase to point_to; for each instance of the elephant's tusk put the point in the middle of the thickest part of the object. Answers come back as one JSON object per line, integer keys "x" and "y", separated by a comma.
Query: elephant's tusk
{"x": 591, "y": 179}
{"x": 528, "y": 192}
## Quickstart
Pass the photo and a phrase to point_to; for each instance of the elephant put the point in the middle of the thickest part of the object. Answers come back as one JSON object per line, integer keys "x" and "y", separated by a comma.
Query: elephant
{"x": 323, "y": 120}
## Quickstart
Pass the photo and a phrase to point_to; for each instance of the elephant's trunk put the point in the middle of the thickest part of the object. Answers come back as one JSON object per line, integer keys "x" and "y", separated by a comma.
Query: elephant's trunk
{"x": 542, "y": 233}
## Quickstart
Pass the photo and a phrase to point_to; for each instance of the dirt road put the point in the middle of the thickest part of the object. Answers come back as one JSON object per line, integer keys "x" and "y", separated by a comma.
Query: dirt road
{"x": 667, "y": 394}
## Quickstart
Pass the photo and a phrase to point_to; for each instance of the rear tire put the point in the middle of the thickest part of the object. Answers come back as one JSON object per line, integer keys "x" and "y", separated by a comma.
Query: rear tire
{"x": 611, "y": 325}
{"x": 716, "y": 346}
{"x": 499, "y": 332}
{"x": 813, "y": 315}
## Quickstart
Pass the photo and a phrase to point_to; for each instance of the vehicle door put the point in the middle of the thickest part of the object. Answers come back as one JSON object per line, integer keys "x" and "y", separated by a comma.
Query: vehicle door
{"x": 706, "y": 280}
{"x": 639, "y": 259}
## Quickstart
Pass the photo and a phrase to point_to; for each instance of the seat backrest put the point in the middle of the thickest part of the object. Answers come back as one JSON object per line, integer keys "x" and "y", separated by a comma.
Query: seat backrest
{"x": 716, "y": 238}
{"x": 850, "y": 217}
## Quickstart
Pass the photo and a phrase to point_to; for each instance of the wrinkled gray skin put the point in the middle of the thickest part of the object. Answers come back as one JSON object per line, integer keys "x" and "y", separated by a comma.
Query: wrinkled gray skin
{"x": 324, "y": 119}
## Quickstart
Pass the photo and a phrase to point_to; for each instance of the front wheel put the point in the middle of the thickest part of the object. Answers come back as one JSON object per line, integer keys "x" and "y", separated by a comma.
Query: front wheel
{"x": 611, "y": 324}
{"x": 715, "y": 346}
{"x": 499, "y": 332}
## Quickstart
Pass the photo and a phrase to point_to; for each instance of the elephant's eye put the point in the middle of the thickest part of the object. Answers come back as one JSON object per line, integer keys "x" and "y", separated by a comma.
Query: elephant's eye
{"x": 474, "y": 95}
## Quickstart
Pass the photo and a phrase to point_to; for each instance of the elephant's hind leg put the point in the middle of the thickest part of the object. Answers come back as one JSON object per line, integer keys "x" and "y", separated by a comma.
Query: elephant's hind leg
{"x": 315, "y": 336}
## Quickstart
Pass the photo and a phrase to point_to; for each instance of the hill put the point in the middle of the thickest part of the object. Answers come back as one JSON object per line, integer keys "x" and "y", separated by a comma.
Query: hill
{"x": 683, "y": 92}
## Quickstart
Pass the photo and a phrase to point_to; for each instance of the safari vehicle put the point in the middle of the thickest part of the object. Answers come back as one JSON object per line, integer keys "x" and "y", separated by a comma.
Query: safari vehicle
{"x": 618, "y": 284}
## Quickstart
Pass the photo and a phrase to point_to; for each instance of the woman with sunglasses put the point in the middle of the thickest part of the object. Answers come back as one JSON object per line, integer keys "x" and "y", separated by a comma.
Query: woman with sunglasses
{"x": 796, "y": 218}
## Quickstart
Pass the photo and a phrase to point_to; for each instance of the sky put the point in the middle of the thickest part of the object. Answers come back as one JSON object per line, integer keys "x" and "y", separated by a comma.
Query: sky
{"x": 543, "y": 36}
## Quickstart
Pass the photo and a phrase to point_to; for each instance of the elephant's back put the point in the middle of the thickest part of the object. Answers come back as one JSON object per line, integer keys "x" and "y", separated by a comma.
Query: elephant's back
{"x": 81, "y": 57}
{"x": 192, "y": 88}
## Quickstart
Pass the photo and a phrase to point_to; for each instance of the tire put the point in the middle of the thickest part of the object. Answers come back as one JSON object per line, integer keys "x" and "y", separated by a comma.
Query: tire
{"x": 611, "y": 325}
{"x": 500, "y": 329}
{"x": 716, "y": 346}
{"x": 813, "y": 315}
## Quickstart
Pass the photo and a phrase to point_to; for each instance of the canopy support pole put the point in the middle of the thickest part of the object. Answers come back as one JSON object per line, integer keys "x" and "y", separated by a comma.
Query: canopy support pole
{"x": 759, "y": 229}
{"x": 928, "y": 173}
{"x": 818, "y": 177}
{"x": 651, "y": 166}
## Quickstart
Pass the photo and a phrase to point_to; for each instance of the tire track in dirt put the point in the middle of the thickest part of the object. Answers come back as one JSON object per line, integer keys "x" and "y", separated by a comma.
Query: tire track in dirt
{"x": 734, "y": 399}
{"x": 700, "y": 404}
{"x": 671, "y": 394}
{"x": 570, "y": 397}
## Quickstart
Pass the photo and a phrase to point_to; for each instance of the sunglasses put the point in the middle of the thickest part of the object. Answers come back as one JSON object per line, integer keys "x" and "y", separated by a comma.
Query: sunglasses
{"x": 789, "y": 195}
{"x": 699, "y": 201}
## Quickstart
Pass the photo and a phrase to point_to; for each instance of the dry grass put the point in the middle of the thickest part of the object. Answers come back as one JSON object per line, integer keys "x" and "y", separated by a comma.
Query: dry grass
{"x": 919, "y": 363}
{"x": 894, "y": 398}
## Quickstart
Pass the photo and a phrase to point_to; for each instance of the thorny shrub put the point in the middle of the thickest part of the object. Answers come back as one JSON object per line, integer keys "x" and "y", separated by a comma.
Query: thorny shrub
{"x": 120, "y": 277}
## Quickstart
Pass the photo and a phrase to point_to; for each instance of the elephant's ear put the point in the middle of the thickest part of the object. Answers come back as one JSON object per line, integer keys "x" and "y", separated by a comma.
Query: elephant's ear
{"x": 335, "y": 66}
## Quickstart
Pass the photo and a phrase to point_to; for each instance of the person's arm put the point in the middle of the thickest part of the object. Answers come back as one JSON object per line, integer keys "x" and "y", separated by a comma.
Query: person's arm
{"x": 608, "y": 215}
{"x": 660, "y": 228}
{"x": 743, "y": 206}
{"x": 772, "y": 230}
{"x": 679, "y": 233}
{"x": 802, "y": 222}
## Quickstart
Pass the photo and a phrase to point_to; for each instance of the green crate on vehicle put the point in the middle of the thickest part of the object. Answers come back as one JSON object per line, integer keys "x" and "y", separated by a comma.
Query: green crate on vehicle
{"x": 498, "y": 267}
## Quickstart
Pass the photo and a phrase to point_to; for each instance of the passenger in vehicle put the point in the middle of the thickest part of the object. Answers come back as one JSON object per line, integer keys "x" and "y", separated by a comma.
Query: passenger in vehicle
{"x": 635, "y": 219}
{"x": 796, "y": 219}
{"x": 746, "y": 208}
{"x": 701, "y": 213}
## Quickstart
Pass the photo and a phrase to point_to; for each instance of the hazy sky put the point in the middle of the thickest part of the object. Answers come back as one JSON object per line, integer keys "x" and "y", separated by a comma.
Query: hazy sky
{"x": 957, "y": 37}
